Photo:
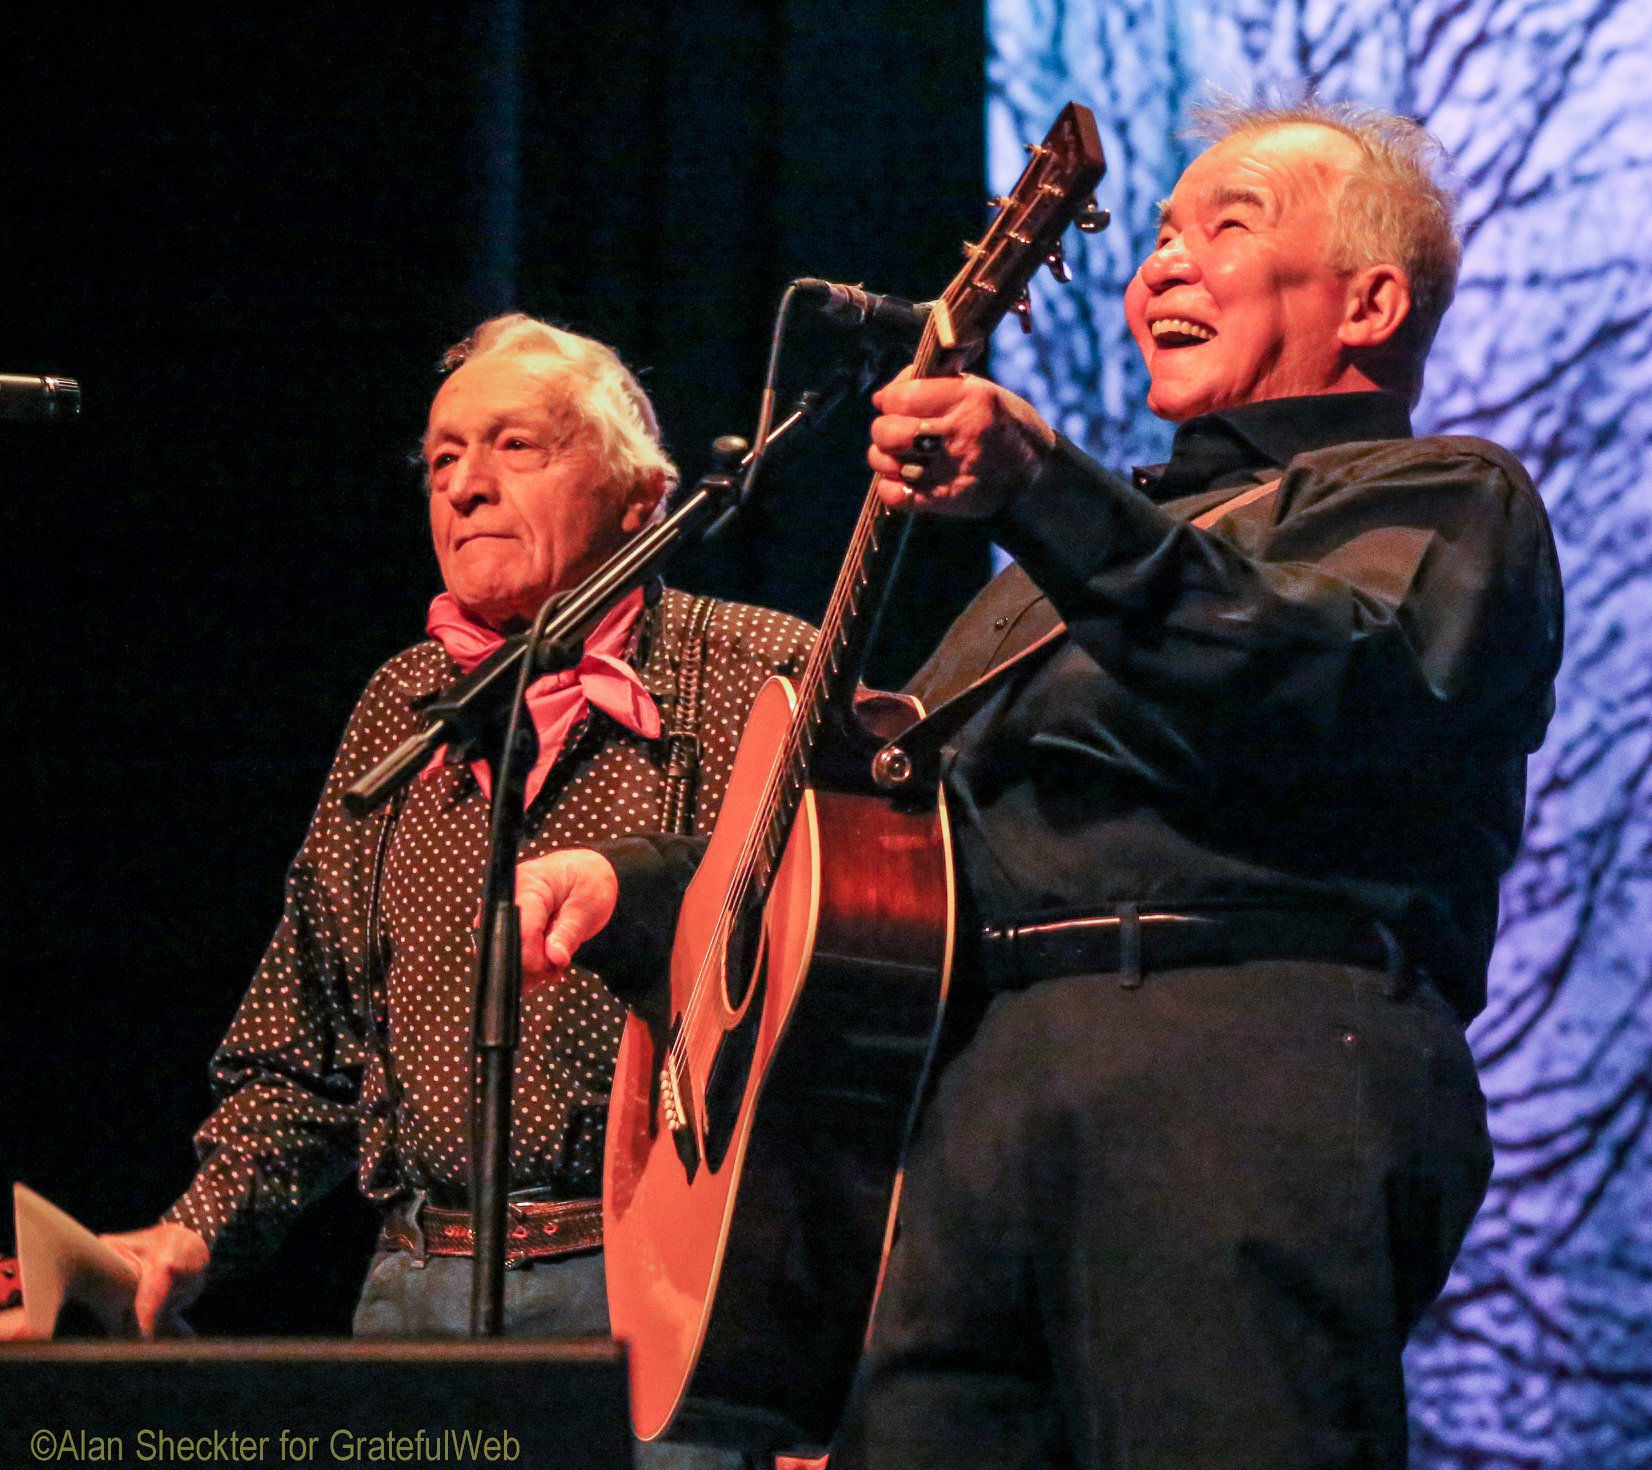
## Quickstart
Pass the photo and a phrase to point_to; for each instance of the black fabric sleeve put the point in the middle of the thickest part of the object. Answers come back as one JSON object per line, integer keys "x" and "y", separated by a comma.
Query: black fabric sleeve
{"x": 1390, "y": 595}
{"x": 633, "y": 953}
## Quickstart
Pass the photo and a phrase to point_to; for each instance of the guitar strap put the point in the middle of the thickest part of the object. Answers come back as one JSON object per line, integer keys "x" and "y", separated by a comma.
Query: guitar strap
{"x": 914, "y": 759}
{"x": 682, "y": 741}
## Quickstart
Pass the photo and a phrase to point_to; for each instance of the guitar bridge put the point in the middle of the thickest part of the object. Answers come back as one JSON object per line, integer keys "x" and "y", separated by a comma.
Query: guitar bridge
{"x": 674, "y": 1108}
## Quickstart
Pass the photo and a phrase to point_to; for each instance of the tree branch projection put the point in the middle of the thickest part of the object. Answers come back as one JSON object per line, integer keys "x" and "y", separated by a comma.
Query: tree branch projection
{"x": 1540, "y": 1352}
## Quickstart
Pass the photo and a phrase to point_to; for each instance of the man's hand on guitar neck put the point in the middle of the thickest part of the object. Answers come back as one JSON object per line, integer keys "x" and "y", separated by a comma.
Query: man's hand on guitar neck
{"x": 564, "y": 898}
{"x": 960, "y": 446}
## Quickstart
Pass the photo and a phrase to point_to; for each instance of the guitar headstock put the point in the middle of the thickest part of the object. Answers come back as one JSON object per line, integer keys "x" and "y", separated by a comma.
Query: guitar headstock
{"x": 1056, "y": 189}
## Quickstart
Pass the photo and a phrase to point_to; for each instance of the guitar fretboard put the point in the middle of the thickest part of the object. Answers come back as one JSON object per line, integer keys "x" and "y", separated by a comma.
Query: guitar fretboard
{"x": 830, "y": 677}
{"x": 1026, "y": 233}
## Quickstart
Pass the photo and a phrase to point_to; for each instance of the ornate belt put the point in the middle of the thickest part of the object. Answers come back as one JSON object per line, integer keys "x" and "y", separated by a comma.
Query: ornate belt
{"x": 535, "y": 1230}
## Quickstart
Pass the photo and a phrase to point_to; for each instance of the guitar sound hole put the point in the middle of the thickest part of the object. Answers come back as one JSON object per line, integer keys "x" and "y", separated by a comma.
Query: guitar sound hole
{"x": 744, "y": 950}
{"x": 730, "y": 1071}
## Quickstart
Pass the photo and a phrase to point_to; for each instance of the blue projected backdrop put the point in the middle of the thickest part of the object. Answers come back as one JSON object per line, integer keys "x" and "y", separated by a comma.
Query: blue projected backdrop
{"x": 1540, "y": 1352}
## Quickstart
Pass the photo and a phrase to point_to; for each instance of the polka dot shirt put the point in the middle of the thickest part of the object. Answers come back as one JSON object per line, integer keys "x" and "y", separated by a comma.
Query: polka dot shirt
{"x": 304, "y": 1094}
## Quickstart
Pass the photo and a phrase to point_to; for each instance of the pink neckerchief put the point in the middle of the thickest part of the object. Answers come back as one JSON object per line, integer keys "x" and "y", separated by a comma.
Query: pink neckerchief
{"x": 557, "y": 702}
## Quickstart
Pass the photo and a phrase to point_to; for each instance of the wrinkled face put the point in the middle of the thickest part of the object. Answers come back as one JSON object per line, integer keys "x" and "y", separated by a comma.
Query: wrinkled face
{"x": 521, "y": 505}
{"x": 1237, "y": 303}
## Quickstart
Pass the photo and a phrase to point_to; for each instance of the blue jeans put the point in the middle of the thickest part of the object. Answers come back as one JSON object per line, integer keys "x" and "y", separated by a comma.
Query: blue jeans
{"x": 561, "y": 1298}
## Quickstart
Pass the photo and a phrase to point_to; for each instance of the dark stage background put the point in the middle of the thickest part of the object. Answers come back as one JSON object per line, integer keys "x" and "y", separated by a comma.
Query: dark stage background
{"x": 250, "y": 235}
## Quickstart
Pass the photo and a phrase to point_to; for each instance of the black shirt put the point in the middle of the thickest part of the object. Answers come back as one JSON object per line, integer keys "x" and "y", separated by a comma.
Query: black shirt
{"x": 1327, "y": 696}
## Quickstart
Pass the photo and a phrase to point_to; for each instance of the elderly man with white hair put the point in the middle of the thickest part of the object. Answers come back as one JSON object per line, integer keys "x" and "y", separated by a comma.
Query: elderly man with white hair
{"x": 351, "y": 1049}
{"x": 1229, "y": 824}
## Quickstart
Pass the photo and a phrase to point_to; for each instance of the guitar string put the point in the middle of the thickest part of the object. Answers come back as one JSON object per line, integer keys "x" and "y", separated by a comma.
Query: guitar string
{"x": 782, "y": 785}
{"x": 787, "y": 777}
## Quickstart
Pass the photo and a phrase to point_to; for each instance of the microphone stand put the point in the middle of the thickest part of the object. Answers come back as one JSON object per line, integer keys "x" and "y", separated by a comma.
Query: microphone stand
{"x": 466, "y": 716}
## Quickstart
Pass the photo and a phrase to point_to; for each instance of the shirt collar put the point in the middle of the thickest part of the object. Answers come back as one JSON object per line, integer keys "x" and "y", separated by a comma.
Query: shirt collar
{"x": 1234, "y": 443}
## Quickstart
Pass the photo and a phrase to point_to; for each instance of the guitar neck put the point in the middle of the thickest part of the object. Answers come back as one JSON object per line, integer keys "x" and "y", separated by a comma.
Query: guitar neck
{"x": 1026, "y": 234}
{"x": 828, "y": 682}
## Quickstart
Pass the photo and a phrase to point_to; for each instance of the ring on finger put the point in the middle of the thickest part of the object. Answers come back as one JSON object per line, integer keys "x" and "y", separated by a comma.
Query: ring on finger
{"x": 911, "y": 473}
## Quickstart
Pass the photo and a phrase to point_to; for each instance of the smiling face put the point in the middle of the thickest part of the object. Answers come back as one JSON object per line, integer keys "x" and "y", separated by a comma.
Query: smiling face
{"x": 1238, "y": 302}
{"x": 521, "y": 503}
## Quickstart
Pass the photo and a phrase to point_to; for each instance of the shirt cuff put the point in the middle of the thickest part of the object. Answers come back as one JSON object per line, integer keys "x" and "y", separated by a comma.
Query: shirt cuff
{"x": 201, "y": 1210}
{"x": 1075, "y": 519}
{"x": 633, "y": 952}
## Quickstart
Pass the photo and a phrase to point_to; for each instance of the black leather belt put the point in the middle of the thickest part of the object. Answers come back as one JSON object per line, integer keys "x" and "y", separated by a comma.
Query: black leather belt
{"x": 1132, "y": 942}
{"x": 535, "y": 1230}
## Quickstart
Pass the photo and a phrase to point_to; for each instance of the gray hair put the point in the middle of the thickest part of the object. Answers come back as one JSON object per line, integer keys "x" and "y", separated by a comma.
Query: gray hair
{"x": 1393, "y": 209}
{"x": 611, "y": 402}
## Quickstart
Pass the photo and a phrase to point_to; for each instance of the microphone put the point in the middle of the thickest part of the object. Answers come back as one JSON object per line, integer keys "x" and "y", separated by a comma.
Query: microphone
{"x": 26, "y": 397}
{"x": 888, "y": 317}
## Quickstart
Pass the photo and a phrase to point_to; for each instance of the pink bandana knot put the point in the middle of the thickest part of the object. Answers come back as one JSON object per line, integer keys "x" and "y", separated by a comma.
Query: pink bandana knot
{"x": 556, "y": 702}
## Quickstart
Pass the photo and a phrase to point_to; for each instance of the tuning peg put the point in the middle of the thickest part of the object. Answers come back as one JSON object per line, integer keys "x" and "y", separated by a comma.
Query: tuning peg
{"x": 1035, "y": 150}
{"x": 971, "y": 250}
{"x": 1057, "y": 262}
{"x": 998, "y": 201}
{"x": 1090, "y": 219}
{"x": 1022, "y": 307}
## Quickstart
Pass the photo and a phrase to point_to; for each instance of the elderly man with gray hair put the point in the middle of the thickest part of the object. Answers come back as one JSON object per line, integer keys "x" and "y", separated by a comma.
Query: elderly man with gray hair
{"x": 1235, "y": 841}
{"x": 1229, "y": 819}
{"x": 351, "y": 1049}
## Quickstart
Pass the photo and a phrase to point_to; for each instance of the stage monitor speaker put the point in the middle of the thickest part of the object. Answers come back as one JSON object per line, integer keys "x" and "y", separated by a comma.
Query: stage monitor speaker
{"x": 286, "y": 1402}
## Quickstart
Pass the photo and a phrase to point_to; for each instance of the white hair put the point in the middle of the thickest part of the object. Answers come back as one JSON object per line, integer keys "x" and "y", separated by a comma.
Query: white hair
{"x": 1393, "y": 209}
{"x": 611, "y": 400}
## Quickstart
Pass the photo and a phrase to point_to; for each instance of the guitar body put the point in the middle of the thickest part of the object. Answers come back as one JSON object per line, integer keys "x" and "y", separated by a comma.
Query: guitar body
{"x": 754, "y": 1147}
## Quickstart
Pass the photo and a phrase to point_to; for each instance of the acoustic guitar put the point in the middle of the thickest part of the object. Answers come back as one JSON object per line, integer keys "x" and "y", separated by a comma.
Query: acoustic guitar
{"x": 755, "y": 1141}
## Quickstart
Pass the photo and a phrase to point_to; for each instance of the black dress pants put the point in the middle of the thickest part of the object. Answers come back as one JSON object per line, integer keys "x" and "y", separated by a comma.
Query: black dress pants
{"x": 1185, "y": 1226}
